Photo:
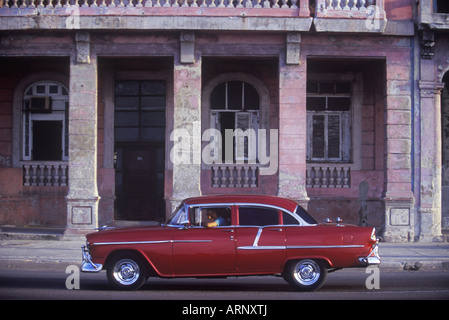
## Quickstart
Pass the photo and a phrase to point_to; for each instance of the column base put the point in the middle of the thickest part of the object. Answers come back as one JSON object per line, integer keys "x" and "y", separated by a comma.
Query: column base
{"x": 430, "y": 225}
{"x": 82, "y": 215}
{"x": 399, "y": 220}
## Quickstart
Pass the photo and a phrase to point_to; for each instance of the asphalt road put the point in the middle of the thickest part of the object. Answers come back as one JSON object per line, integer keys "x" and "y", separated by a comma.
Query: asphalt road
{"x": 49, "y": 281}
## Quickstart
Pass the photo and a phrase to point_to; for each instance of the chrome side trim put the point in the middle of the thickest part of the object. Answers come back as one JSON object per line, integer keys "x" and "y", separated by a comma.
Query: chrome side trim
{"x": 255, "y": 247}
{"x": 130, "y": 242}
{"x": 256, "y": 239}
{"x": 185, "y": 241}
{"x": 148, "y": 242}
{"x": 327, "y": 247}
{"x": 262, "y": 248}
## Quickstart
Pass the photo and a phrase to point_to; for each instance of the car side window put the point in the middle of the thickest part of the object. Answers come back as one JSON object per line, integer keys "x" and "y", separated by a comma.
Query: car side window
{"x": 206, "y": 216}
{"x": 258, "y": 216}
{"x": 288, "y": 219}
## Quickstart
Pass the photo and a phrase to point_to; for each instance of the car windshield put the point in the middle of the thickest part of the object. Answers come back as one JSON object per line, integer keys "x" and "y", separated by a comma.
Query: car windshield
{"x": 179, "y": 216}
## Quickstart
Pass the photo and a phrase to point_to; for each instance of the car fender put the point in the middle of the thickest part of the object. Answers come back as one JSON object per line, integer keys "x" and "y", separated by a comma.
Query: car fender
{"x": 154, "y": 270}
{"x": 326, "y": 260}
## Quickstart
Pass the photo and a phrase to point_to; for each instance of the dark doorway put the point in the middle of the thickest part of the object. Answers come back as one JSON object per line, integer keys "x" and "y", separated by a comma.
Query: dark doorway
{"x": 140, "y": 149}
{"x": 47, "y": 140}
{"x": 140, "y": 182}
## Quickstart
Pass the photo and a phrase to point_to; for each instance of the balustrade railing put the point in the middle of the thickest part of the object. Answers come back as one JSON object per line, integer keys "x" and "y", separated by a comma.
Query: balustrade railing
{"x": 45, "y": 174}
{"x": 328, "y": 176}
{"x": 235, "y": 176}
{"x": 282, "y": 4}
{"x": 358, "y": 9}
{"x": 350, "y": 9}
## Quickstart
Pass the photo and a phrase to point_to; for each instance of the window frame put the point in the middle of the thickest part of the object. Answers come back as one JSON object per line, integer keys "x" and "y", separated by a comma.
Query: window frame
{"x": 241, "y": 134}
{"x": 207, "y": 120}
{"x": 28, "y": 116}
{"x": 353, "y": 137}
{"x": 140, "y": 110}
{"x": 344, "y": 127}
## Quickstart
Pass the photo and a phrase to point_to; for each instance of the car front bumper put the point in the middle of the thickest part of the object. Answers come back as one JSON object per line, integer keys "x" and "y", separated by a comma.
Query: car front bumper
{"x": 372, "y": 258}
{"x": 87, "y": 264}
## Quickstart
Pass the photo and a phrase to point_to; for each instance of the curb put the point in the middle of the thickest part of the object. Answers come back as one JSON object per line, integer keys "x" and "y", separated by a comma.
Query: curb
{"x": 414, "y": 265}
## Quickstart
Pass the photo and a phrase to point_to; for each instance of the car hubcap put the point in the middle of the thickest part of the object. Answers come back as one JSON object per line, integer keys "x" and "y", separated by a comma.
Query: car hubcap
{"x": 126, "y": 272}
{"x": 307, "y": 272}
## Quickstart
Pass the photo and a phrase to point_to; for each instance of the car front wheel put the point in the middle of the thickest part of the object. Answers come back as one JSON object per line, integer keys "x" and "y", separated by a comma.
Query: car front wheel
{"x": 127, "y": 272}
{"x": 305, "y": 275}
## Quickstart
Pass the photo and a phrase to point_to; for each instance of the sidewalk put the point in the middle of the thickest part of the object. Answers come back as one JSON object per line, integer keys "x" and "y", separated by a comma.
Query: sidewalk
{"x": 50, "y": 246}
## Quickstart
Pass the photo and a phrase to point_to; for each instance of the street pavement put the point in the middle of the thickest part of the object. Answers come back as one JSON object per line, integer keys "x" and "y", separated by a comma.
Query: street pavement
{"x": 50, "y": 246}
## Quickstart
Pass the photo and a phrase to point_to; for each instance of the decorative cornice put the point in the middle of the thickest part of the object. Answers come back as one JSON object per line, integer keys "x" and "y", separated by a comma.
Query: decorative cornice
{"x": 427, "y": 44}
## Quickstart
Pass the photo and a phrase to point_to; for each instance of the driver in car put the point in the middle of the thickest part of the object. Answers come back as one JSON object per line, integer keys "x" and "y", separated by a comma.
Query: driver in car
{"x": 215, "y": 219}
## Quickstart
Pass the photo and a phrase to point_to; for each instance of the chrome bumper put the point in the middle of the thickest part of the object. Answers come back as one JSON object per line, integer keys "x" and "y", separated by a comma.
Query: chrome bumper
{"x": 373, "y": 257}
{"x": 87, "y": 265}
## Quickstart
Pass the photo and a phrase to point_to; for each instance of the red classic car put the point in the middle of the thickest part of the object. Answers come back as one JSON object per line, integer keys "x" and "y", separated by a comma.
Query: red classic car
{"x": 235, "y": 235}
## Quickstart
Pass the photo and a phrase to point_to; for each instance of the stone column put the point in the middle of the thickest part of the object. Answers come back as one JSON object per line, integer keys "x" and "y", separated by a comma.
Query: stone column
{"x": 82, "y": 198}
{"x": 185, "y": 153}
{"x": 292, "y": 123}
{"x": 445, "y": 158}
{"x": 430, "y": 162}
{"x": 429, "y": 143}
{"x": 399, "y": 198}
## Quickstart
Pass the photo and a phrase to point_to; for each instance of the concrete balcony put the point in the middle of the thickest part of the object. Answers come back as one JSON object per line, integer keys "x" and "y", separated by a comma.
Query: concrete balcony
{"x": 226, "y": 15}
{"x": 366, "y": 16}
{"x": 430, "y": 17}
{"x": 257, "y": 15}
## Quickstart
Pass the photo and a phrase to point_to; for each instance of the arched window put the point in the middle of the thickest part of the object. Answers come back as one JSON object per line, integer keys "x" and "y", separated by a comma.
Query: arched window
{"x": 45, "y": 122}
{"x": 234, "y": 109}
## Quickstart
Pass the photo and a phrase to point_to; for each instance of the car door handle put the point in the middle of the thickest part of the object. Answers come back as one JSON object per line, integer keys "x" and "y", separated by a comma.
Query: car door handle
{"x": 228, "y": 230}
{"x": 276, "y": 229}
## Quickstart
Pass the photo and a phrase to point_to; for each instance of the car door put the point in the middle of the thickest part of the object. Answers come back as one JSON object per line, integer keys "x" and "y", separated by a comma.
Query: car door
{"x": 260, "y": 240}
{"x": 202, "y": 250}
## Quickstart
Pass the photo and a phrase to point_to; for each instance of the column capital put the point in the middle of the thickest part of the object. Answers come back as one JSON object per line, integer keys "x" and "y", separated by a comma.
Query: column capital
{"x": 427, "y": 44}
{"x": 428, "y": 89}
{"x": 82, "y": 40}
{"x": 293, "y": 48}
{"x": 187, "y": 47}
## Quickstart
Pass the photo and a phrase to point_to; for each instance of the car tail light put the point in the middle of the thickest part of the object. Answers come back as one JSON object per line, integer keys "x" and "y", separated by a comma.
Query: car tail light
{"x": 373, "y": 235}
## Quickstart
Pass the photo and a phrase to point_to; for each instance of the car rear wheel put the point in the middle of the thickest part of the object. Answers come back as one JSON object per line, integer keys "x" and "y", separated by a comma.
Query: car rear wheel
{"x": 127, "y": 271}
{"x": 305, "y": 275}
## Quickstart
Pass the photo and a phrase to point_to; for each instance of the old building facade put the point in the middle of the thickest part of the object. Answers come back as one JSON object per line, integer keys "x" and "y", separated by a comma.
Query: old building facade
{"x": 117, "y": 110}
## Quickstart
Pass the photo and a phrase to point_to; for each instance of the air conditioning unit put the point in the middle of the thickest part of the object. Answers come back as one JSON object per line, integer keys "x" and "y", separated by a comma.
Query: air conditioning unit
{"x": 39, "y": 104}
